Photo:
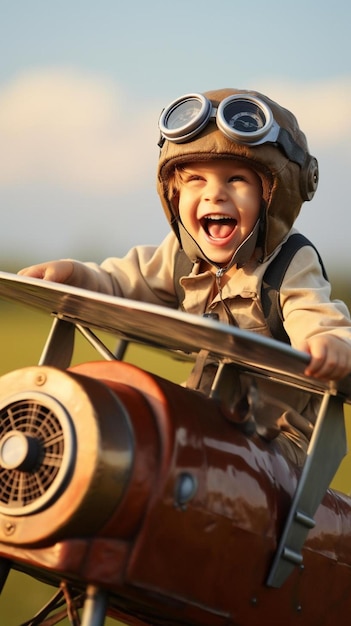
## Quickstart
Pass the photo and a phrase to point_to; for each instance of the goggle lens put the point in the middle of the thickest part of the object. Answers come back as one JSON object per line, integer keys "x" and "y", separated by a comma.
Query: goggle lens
{"x": 184, "y": 118}
{"x": 246, "y": 120}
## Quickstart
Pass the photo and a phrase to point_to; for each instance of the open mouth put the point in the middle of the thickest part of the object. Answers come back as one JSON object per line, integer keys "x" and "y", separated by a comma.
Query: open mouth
{"x": 218, "y": 227}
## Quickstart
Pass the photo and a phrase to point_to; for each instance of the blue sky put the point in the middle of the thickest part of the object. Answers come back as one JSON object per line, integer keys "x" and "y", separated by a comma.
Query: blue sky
{"x": 82, "y": 84}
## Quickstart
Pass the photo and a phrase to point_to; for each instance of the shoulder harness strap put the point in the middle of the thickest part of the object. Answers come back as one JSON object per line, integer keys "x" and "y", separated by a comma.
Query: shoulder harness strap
{"x": 271, "y": 282}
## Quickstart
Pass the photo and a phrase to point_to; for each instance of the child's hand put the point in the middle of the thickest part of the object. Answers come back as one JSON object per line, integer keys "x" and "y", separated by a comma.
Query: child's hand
{"x": 57, "y": 271}
{"x": 330, "y": 357}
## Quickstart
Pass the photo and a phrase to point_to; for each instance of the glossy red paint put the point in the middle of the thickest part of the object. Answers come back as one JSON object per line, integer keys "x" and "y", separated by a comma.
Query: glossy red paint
{"x": 200, "y": 558}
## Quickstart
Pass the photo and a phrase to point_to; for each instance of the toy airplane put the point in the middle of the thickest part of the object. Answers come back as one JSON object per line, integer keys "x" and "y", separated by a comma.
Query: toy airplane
{"x": 151, "y": 503}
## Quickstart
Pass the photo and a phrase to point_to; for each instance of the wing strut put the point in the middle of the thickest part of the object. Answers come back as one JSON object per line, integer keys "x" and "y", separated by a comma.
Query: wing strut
{"x": 325, "y": 452}
{"x": 58, "y": 349}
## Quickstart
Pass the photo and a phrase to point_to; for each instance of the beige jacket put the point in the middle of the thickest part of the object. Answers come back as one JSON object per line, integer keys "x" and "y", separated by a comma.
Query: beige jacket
{"x": 146, "y": 273}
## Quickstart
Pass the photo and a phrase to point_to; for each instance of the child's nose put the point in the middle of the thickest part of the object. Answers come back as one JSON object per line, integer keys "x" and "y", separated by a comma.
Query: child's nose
{"x": 215, "y": 191}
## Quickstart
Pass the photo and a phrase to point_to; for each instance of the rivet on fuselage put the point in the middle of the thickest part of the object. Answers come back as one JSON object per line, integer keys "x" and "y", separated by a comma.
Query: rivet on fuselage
{"x": 185, "y": 489}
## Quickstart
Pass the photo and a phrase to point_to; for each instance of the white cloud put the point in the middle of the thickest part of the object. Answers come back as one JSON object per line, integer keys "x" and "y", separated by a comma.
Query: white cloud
{"x": 84, "y": 139}
{"x": 80, "y": 132}
{"x": 83, "y": 132}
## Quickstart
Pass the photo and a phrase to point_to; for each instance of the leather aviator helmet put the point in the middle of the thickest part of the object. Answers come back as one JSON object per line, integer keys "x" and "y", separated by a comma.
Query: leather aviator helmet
{"x": 243, "y": 125}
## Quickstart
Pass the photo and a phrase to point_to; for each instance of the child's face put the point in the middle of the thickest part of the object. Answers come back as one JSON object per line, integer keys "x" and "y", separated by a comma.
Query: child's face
{"x": 219, "y": 204}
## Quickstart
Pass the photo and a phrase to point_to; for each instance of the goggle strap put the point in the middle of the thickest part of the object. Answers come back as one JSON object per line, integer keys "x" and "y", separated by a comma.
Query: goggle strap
{"x": 292, "y": 150}
{"x": 161, "y": 140}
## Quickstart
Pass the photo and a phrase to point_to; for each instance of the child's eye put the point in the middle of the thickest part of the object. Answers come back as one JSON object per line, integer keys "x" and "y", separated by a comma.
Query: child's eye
{"x": 193, "y": 177}
{"x": 236, "y": 178}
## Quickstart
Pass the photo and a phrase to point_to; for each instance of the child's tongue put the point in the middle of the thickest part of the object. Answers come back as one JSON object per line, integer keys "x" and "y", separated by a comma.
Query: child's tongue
{"x": 219, "y": 229}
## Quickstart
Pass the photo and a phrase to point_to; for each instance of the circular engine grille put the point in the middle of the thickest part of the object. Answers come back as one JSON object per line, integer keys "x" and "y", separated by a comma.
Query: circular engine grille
{"x": 36, "y": 440}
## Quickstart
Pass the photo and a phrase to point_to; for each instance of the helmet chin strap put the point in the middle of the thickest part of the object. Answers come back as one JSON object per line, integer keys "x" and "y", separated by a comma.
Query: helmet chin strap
{"x": 241, "y": 255}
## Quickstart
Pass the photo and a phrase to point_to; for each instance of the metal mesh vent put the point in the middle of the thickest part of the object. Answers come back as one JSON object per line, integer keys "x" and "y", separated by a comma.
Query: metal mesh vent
{"x": 32, "y": 450}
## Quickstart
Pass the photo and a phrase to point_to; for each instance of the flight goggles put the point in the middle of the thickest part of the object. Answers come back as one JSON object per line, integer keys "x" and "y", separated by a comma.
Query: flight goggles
{"x": 242, "y": 118}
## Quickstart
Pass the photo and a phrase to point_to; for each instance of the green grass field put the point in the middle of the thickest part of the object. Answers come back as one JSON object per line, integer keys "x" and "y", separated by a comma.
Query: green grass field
{"x": 22, "y": 336}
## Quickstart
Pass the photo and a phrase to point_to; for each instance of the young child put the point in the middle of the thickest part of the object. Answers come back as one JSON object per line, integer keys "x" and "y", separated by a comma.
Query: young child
{"x": 234, "y": 170}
